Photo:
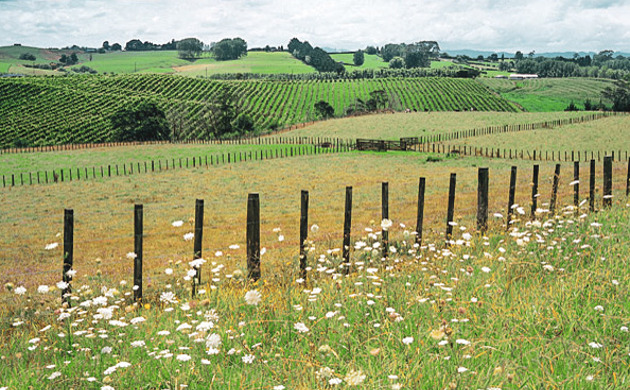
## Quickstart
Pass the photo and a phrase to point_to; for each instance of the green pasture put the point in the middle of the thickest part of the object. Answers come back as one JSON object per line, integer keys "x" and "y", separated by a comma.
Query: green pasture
{"x": 372, "y": 61}
{"x": 549, "y": 94}
{"x": 254, "y": 62}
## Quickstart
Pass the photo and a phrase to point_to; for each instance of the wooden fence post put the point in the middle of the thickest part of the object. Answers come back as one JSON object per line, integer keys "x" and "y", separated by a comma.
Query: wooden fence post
{"x": 607, "y": 198}
{"x": 347, "y": 225}
{"x": 451, "y": 207}
{"x": 137, "y": 249}
{"x": 512, "y": 190}
{"x": 385, "y": 215}
{"x": 576, "y": 184}
{"x": 303, "y": 232}
{"x": 419, "y": 220}
{"x": 198, "y": 240}
{"x": 68, "y": 252}
{"x": 627, "y": 180}
{"x": 591, "y": 193}
{"x": 554, "y": 190}
{"x": 482, "y": 199}
{"x": 253, "y": 237}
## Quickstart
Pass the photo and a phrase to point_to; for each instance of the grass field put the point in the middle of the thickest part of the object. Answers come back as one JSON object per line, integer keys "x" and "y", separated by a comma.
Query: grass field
{"x": 601, "y": 135}
{"x": 549, "y": 94}
{"x": 498, "y": 311}
{"x": 371, "y": 61}
{"x": 394, "y": 126}
{"x": 254, "y": 62}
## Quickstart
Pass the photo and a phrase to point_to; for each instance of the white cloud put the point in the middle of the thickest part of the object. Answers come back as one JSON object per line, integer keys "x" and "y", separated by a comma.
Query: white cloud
{"x": 486, "y": 25}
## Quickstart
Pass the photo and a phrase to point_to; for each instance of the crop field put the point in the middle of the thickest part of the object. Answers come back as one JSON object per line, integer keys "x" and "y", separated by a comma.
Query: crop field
{"x": 549, "y": 94}
{"x": 254, "y": 62}
{"x": 609, "y": 134}
{"x": 44, "y": 111}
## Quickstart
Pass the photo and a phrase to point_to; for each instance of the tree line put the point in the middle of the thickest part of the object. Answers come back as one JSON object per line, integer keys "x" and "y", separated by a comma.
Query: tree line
{"x": 315, "y": 57}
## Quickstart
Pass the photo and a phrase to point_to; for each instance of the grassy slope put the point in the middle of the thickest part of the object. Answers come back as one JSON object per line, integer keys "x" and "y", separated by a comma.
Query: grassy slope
{"x": 603, "y": 135}
{"x": 254, "y": 62}
{"x": 549, "y": 94}
{"x": 371, "y": 61}
{"x": 394, "y": 126}
{"x": 507, "y": 321}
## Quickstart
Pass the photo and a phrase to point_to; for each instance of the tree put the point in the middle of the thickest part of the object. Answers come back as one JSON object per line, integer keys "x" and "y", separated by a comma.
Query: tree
{"x": 189, "y": 48}
{"x": 494, "y": 57}
{"x": 358, "y": 58}
{"x": 416, "y": 59}
{"x": 619, "y": 96}
{"x": 116, "y": 47}
{"x": 229, "y": 49}
{"x": 73, "y": 59}
{"x": 392, "y": 50}
{"x": 518, "y": 55}
{"x": 106, "y": 45}
{"x": 243, "y": 124}
{"x": 134, "y": 45}
{"x": 324, "y": 109}
{"x": 371, "y": 50}
{"x": 27, "y": 57}
{"x": 397, "y": 63}
{"x": 145, "y": 122}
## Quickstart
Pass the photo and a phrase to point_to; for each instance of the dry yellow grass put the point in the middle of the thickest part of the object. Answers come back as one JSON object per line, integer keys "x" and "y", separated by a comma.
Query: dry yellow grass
{"x": 32, "y": 216}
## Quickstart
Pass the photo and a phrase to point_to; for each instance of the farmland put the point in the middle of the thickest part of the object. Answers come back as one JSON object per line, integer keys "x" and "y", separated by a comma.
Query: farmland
{"x": 549, "y": 94}
{"x": 44, "y": 111}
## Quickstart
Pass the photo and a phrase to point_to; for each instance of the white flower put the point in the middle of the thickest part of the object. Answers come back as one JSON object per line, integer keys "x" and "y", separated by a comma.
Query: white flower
{"x": 51, "y": 246}
{"x": 131, "y": 255}
{"x": 354, "y": 378}
{"x": 106, "y": 313}
{"x": 197, "y": 263}
{"x": 486, "y": 269}
{"x": 548, "y": 267}
{"x": 138, "y": 344}
{"x": 335, "y": 381}
{"x": 407, "y": 340}
{"x": 467, "y": 236}
{"x": 184, "y": 326}
{"x": 280, "y": 237}
{"x": 106, "y": 350}
{"x": 234, "y": 246}
{"x": 163, "y": 333}
{"x": 178, "y": 223}
{"x": 300, "y": 327}
{"x": 168, "y": 271}
{"x": 189, "y": 236}
{"x": 213, "y": 341}
{"x": 462, "y": 341}
{"x": 218, "y": 254}
{"x": 54, "y": 375}
{"x": 385, "y": 225}
{"x": 21, "y": 290}
{"x": 168, "y": 297}
{"x": 62, "y": 285}
{"x": 599, "y": 308}
{"x": 183, "y": 357}
{"x": 593, "y": 344}
{"x": 314, "y": 229}
{"x": 248, "y": 359}
{"x": 462, "y": 369}
{"x": 279, "y": 387}
{"x": 43, "y": 289}
{"x": 253, "y": 297}
{"x": 137, "y": 320}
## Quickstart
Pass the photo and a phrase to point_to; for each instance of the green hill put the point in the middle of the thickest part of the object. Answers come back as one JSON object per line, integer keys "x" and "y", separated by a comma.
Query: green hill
{"x": 54, "y": 110}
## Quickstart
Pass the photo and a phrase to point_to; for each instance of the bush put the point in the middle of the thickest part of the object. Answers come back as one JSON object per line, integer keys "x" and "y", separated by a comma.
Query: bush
{"x": 145, "y": 122}
{"x": 243, "y": 123}
{"x": 397, "y": 63}
{"x": 27, "y": 57}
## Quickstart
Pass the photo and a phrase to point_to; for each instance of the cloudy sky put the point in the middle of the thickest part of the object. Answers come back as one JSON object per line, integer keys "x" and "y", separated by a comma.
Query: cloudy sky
{"x": 495, "y": 25}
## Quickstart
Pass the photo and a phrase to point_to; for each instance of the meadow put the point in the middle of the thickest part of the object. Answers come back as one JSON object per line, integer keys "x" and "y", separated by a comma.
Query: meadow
{"x": 608, "y": 134}
{"x": 372, "y": 61}
{"x": 490, "y": 311}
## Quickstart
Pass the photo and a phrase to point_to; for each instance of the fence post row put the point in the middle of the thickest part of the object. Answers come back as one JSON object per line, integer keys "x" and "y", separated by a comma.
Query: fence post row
{"x": 385, "y": 215}
{"x": 482, "y": 199}
{"x": 347, "y": 224}
{"x": 253, "y": 237}
{"x": 512, "y": 190}
{"x": 303, "y": 232}
{"x": 607, "y": 198}
{"x": 137, "y": 249}
{"x": 451, "y": 207}
{"x": 419, "y": 220}
{"x": 198, "y": 239}
{"x": 68, "y": 252}
{"x": 554, "y": 190}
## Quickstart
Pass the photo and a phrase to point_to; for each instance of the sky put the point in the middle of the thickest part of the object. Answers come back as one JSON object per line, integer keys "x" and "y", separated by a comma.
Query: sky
{"x": 492, "y": 25}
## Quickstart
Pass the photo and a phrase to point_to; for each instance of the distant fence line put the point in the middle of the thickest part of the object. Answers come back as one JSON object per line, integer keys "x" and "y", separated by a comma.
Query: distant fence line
{"x": 252, "y": 224}
{"x": 271, "y": 139}
{"x": 524, "y": 154}
{"x": 125, "y": 169}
